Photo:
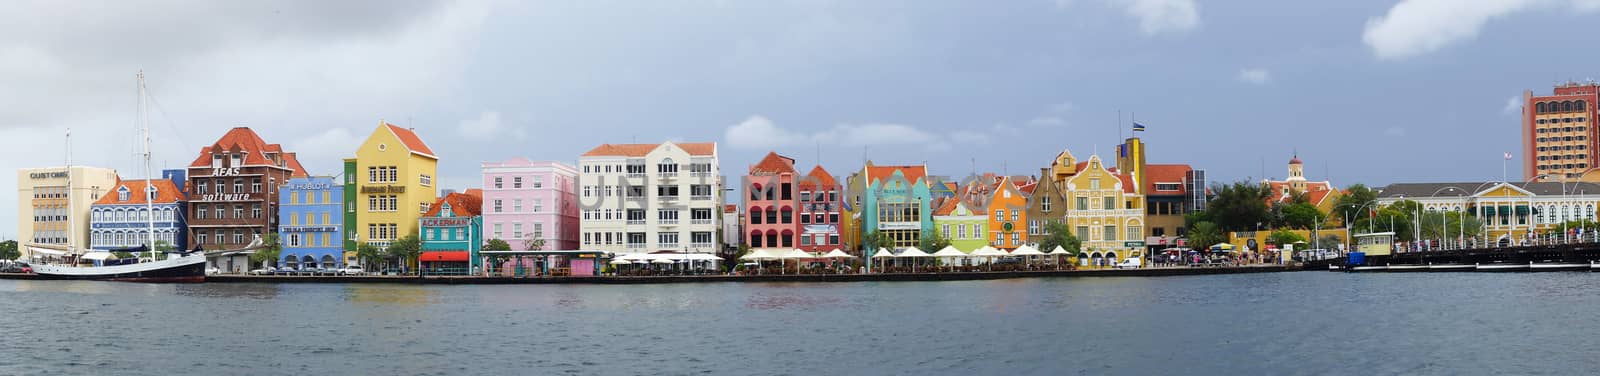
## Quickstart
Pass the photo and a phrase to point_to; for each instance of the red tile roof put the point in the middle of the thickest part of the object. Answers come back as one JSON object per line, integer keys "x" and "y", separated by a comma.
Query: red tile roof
{"x": 1127, "y": 183}
{"x": 730, "y": 208}
{"x": 640, "y": 150}
{"x": 946, "y": 205}
{"x": 1028, "y": 189}
{"x": 773, "y": 164}
{"x": 461, "y": 204}
{"x": 1166, "y": 173}
{"x": 411, "y": 140}
{"x": 245, "y": 139}
{"x": 912, "y": 173}
{"x": 166, "y": 193}
{"x": 821, "y": 176}
{"x": 474, "y": 192}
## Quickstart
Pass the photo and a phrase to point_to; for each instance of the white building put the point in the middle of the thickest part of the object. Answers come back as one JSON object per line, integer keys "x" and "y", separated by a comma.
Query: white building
{"x": 51, "y": 216}
{"x": 645, "y": 198}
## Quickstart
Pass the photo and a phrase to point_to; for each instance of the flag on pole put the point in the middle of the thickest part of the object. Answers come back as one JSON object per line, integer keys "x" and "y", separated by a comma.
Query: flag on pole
{"x": 1508, "y": 156}
{"x": 1138, "y": 127}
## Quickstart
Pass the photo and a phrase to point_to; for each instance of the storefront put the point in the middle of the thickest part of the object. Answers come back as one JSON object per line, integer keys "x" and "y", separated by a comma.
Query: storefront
{"x": 445, "y": 263}
{"x": 544, "y": 263}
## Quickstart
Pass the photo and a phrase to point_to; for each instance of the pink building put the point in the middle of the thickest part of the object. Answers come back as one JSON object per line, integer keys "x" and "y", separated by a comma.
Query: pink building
{"x": 525, "y": 200}
{"x": 772, "y": 220}
{"x": 819, "y": 211}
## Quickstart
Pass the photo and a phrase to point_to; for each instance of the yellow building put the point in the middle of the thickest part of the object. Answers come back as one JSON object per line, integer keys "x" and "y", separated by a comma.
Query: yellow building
{"x": 1105, "y": 211}
{"x": 396, "y": 180}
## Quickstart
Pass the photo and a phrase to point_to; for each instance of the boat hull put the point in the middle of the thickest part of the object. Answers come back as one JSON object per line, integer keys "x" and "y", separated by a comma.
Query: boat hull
{"x": 1451, "y": 268}
{"x": 190, "y": 269}
{"x": 1557, "y": 267}
{"x": 1493, "y": 268}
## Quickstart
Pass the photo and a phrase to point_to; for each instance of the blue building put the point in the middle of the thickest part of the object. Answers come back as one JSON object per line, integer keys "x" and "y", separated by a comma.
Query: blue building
{"x": 121, "y": 218}
{"x": 452, "y": 235}
{"x": 311, "y": 223}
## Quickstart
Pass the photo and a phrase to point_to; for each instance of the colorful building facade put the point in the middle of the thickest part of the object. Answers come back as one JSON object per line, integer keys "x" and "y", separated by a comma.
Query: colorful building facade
{"x": 1558, "y": 139}
{"x": 395, "y": 183}
{"x": 526, "y": 202}
{"x": 311, "y": 223}
{"x": 955, "y": 220}
{"x": 121, "y": 219}
{"x": 820, "y": 212}
{"x": 771, "y": 198}
{"x": 452, "y": 236}
{"x": 1006, "y": 211}
{"x": 1105, "y": 213}
{"x": 894, "y": 201}
{"x": 1505, "y": 212}
{"x": 233, "y": 195}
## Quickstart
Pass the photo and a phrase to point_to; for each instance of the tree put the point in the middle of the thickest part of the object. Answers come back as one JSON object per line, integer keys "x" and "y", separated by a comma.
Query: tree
{"x": 1239, "y": 207}
{"x": 1284, "y": 237}
{"x": 8, "y": 250}
{"x": 123, "y": 255}
{"x": 406, "y": 248}
{"x": 368, "y": 253}
{"x": 933, "y": 241}
{"x": 1203, "y": 234}
{"x": 163, "y": 246}
{"x": 496, "y": 245}
{"x": 533, "y": 244}
{"x": 1301, "y": 216}
{"x": 1057, "y": 234}
{"x": 1354, "y": 202}
{"x": 270, "y": 248}
{"x": 877, "y": 239}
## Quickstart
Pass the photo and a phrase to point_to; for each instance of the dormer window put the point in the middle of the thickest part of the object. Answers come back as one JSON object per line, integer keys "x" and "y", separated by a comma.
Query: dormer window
{"x": 216, "y": 160}
{"x": 444, "y": 211}
{"x": 237, "y": 159}
{"x": 150, "y": 194}
{"x": 122, "y": 193}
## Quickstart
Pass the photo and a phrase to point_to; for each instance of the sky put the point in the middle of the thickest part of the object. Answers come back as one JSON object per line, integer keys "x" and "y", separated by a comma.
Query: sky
{"x": 1365, "y": 91}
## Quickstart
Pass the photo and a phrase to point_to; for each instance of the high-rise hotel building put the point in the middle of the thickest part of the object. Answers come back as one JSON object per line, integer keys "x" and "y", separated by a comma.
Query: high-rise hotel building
{"x": 1558, "y": 141}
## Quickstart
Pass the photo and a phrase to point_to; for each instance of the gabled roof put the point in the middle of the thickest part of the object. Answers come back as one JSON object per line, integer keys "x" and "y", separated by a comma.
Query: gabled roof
{"x": 945, "y": 205}
{"x": 461, "y": 205}
{"x": 640, "y": 150}
{"x": 256, "y": 150}
{"x": 1316, "y": 191}
{"x": 1127, "y": 183}
{"x": 410, "y": 139}
{"x": 821, "y": 176}
{"x": 475, "y": 192}
{"x": 1028, "y": 189}
{"x": 166, "y": 193}
{"x": 773, "y": 164}
{"x": 913, "y": 174}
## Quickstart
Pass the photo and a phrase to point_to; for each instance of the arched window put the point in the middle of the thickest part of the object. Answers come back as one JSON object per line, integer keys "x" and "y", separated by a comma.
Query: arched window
{"x": 1540, "y": 107}
{"x": 1588, "y": 212}
{"x": 1566, "y": 106}
{"x": 1578, "y": 106}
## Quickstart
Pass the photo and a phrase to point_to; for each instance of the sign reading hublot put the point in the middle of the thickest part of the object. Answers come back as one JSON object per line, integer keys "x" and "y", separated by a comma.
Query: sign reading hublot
{"x": 384, "y": 189}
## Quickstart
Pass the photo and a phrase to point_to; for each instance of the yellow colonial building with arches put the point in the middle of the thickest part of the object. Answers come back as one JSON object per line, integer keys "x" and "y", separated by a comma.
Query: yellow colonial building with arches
{"x": 1105, "y": 212}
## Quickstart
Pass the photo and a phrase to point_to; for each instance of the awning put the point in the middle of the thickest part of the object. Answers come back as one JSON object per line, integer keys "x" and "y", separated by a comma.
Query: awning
{"x": 99, "y": 256}
{"x": 1504, "y": 210}
{"x": 43, "y": 251}
{"x": 1522, "y": 210}
{"x": 445, "y": 256}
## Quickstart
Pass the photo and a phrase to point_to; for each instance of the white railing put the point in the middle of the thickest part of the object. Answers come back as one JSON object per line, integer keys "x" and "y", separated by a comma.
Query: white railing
{"x": 636, "y": 246}
{"x": 669, "y": 245}
{"x": 636, "y": 221}
{"x": 667, "y": 221}
{"x": 635, "y": 174}
{"x": 701, "y": 198}
{"x": 701, "y": 174}
{"x": 700, "y": 222}
{"x": 667, "y": 174}
{"x": 380, "y": 244}
{"x": 700, "y": 245}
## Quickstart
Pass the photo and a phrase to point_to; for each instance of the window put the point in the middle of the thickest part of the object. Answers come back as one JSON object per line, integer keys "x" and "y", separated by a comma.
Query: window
{"x": 999, "y": 214}
{"x": 516, "y": 230}
{"x": 700, "y": 238}
{"x": 667, "y": 216}
{"x": 499, "y": 182}
{"x": 1083, "y": 203}
{"x": 516, "y": 182}
{"x": 238, "y": 185}
{"x": 1016, "y": 215}
{"x": 1094, "y": 183}
{"x": 238, "y": 236}
{"x": 1135, "y": 233}
{"x": 255, "y": 185}
{"x": 538, "y": 182}
{"x": 700, "y": 190}
{"x": 945, "y": 230}
{"x": 122, "y": 194}
{"x": 667, "y": 168}
{"x": 1044, "y": 203}
{"x": 238, "y": 210}
{"x": 668, "y": 239}
{"x": 700, "y": 216}
{"x": 294, "y": 240}
{"x": 426, "y": 180}
{"x": 1109, "y": 203}
{"x": 199, "y": 187}
{"x": 538, "y": 205}
{"x": 1111, "y": 233}
{"x": 1016, "y": 238}
{"x": 200, "y": 237}
{"x": 961, "y": 231}
{"x": 516, "y": 205}
{"x": 255, "y": 211}
{"x": 499, "y": 230}
{"x": 1083, "y": 233}
{"x": 538, "y": 230}
{"x": 667, "y": 191}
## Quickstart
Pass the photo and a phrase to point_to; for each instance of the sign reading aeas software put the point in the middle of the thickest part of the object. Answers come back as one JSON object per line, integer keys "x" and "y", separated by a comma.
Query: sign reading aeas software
{"x": 226, "y": 197}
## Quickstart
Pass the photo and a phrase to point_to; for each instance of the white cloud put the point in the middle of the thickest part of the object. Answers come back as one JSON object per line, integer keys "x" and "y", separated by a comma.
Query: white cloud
{"x": 488, "y": 124}
{"x": 1258, "y": 76}
{"x": 759, "y": 133}
{"x": 1160, "y": 16}
{"x": 1513, "y": 105}
{"x": 1395, "y": 132}
{"x": 1416, "y": 27}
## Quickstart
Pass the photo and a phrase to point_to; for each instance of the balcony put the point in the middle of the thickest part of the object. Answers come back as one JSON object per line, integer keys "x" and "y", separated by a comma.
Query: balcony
{"x": 700, "y": 198}
{"x": 667, "y": 198}
{"x": 700, "y": 222}
{"x": 669, "y": 245}
{"x": 635, "y": 174}
{"x": 636, "y": 222}
{"x": 637, "y": 246}
{"x": 667, "y": 221}
{"x": 667, "y": 175}
{"x": 701, "y": 174}
{"x": 700, "y": 245}
{"x": 380, "y": 244}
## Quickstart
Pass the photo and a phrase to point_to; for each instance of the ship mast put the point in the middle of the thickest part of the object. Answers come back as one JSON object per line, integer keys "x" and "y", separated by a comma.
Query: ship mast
{"x": 72, "y": 223}
{"x": 149, "y": 183}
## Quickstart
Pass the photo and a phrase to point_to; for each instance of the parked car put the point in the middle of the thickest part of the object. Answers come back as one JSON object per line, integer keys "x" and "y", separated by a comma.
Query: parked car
{"x": 1131, "y": 263}
{"x": 264, "y": 271}
{"x": 16, "y": 267}
{"x": 350, "y": 270}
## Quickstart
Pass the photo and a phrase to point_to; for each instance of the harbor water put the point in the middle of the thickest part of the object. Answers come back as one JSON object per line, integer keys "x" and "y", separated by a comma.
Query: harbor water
{"x": 1308, "y": 323}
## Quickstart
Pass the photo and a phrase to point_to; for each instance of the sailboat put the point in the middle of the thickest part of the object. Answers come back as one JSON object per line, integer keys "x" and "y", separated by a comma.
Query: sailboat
{"x": 177, "y": 267}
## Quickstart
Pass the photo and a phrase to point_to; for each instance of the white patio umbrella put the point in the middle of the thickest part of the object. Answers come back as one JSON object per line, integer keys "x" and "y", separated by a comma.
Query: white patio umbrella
{"x": 1058, "y": 253}
{"x": 912, "y": 253}
{"x": 1027, "y": 252}
{"x": 990, "y": 253}
{"x": 949, "y": 252}
{"x": 836, "y": 253}
{"x": 621, "y": 262}
{"x": 793, "y": 254}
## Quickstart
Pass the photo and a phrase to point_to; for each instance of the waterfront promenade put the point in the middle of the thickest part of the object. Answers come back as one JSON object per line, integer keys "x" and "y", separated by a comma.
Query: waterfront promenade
{"x": 869, "y": 277}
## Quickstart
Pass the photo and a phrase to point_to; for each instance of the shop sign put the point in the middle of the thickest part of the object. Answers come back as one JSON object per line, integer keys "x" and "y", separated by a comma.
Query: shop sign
{"x": 48, "y": 175}
{"x": 445, "y": 222}
{"x": 1133, "y": 244}
{"x": 226, "y": 197}
{"x": 382, "y": 189}
{"x": 316, "y": 186}
{"x": 308, "y": 229}
{"x": 900, "y": 226}
{"x": 815, "y": 229}
{"x": 230, "y": 171}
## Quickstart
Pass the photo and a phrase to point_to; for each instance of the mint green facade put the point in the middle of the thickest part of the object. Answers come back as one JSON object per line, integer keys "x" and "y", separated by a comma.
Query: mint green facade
{"x": 964, "y": 228}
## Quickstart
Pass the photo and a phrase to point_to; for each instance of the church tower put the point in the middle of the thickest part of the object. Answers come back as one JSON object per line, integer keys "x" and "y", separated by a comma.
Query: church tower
{"x": 1297, "y": 174}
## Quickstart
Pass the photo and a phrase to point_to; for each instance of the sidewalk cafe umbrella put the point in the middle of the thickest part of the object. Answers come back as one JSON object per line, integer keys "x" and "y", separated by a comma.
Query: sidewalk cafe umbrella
{"x": 913, "y": 252}
{"x": 836, "y": 253}
{"x": 794, "y": 254}
{"x": 989, "y": 252}
{"x": 1026, "y": 252}
{"x": 949, "y": 252}
{"x": 1058, "y": 252}
{"x": 1222, "y": 247}
{"x": 883, "y": 253}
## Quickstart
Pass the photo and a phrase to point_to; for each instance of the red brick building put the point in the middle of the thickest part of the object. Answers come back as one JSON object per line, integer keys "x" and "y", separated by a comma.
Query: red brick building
{"x": 233, "y": 194}
{"x": 772, "y": 220}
